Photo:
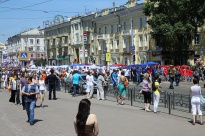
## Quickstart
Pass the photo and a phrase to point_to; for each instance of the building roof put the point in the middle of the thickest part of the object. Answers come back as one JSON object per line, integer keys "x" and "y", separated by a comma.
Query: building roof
{"x": 35, "y": 31}
{"x": 1, "y": 44}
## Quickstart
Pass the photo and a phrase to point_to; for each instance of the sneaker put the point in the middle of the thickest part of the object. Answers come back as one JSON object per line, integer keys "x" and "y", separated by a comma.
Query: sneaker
{"x": 31, "y": 123}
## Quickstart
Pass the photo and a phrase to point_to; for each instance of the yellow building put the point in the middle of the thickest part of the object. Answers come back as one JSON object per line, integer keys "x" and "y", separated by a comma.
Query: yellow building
{"x": 122, "y": 31}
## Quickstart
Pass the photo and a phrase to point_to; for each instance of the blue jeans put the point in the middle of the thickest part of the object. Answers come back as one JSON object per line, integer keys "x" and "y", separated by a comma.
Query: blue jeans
{"x": 58, "y": 86}
{"x": 30, "y": 110}
{"x": 171, "y": 82}
{"x": 75, "y": 87}
{"x": 177, "y": 80}
{"x": 138, "y": 78}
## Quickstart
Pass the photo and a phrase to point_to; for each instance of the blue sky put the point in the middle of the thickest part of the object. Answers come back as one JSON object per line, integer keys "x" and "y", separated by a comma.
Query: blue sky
{"x": 19, "y": 15}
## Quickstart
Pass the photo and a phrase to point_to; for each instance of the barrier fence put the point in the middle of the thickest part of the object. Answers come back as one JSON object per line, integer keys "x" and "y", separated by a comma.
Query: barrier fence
{"x": 170, "y": 101}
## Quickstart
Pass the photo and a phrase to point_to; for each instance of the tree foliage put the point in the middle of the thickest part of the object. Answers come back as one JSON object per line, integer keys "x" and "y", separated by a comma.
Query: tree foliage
{"x": 174, "y": 22}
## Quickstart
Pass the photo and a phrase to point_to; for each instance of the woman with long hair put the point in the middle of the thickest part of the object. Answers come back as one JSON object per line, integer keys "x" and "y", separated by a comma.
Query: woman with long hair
{"x": 146, "y": 91}
{"x": 85, "y": 123}
{"x": 14, "y": 90}
{"x": 42, "y": 89}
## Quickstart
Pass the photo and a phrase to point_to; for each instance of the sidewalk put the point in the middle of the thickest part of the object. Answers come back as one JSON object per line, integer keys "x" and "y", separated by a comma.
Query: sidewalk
{"x": 56, "y": 119}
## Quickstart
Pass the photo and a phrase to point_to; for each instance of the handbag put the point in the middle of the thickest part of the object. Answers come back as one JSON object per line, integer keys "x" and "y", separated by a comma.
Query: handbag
{"x": 9, "y": 88}
{"x": 126, "y": 83}
{"x": 202, "y": 100}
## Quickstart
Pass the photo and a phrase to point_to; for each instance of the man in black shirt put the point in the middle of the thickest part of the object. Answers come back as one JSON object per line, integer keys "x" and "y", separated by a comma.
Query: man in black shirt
{"x": 51, "y": 80}
{"x": 134, "y": 75}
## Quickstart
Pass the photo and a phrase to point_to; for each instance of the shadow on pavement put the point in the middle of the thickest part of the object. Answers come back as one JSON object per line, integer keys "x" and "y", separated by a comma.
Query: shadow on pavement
{"x": 37, "y": 120}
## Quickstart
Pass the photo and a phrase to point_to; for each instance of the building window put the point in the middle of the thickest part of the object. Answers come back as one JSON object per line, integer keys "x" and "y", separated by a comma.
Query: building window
{"x": 26, "y": 48}
{"x": 197, "y": 39}
{"x": 77, "y": 37}
{"x": 38, "y": 41}
{"x": 92, "y": 48}
{"x": 140, "y": 41}
{"x": 38, "y": 48}
{"x": 124, "y": 43}
{"x": 111, "y": 47}
{"x": 30, "y": 48}
{"x": 117, "y": 28}
{"x": 76, "y": 26}
{"x": 124, "y": 25}
{"x": 31, "y": 41}
{"x": 99, "y": 46}
{"x": 126, "y": 61}
{"x": 145, "y": 37}
{"x": 132, "y": 24}
{"x": 111, "y": 29}
{"x": 38, "y": 55}
{"x": 140, "y": 22}
{"x": 117, "y": 43}
{"x": 65, "y": 40}
{"x": 99, "y": 30}
{"x": 31, "y": 55}
{"x": 105, "y": 30}
{"x": 25, "y": 40}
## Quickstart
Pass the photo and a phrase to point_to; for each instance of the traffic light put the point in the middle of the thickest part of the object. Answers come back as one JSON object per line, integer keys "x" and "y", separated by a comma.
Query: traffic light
{"x": 133, "y": 57}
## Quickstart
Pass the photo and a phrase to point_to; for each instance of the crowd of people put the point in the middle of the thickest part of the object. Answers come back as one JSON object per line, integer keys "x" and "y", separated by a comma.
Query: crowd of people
{"x": 26, "y": 86}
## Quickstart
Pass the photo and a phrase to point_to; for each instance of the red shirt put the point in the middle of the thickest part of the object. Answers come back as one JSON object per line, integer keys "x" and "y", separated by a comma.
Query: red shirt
{"x": 165, "y": 72}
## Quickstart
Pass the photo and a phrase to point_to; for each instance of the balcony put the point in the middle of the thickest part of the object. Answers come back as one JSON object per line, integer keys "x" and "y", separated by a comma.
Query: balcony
{"x": 77, "y": 43}
{"x": 103, "y": 37}
{"x": 128, "y": 32}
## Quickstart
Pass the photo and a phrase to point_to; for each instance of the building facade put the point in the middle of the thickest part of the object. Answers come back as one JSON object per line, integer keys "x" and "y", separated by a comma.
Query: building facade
{"x": 30, "y": 41}
{"x": 121, "y": 32}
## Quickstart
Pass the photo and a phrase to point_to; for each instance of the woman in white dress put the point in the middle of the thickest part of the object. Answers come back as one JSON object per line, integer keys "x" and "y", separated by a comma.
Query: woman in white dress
{"x": 89, "y": 84}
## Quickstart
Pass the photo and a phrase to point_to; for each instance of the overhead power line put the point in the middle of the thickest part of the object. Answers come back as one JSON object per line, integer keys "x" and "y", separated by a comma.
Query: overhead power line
{"x": 3, "y": 1}
{"x": 45, "y": 11}
{"x": 10, "y": 9}
{"x": 27, "y": 18}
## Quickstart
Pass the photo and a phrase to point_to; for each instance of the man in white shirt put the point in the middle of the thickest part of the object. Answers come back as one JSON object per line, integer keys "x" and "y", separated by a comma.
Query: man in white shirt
{"x": 127, "y": 74}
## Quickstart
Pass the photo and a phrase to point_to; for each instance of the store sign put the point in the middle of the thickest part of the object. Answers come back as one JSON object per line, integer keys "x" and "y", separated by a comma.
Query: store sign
{"x": 108, "y": 56}
{"x": 72, "y": 59}
{"x": 81, "y": 53}
{"x": 24, "y": 55}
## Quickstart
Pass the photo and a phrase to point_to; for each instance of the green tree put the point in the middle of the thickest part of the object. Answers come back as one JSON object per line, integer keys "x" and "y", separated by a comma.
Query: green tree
{"x": 174, "y": 24}
{"x": 39, "y": 61}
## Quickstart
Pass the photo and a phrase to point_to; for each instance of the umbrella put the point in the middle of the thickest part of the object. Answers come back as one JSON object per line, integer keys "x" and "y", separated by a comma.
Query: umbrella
{"x": 151, "y": 63}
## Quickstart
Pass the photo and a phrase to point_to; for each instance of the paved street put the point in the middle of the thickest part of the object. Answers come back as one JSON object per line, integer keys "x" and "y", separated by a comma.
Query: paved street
{"x": 114, "y": 120}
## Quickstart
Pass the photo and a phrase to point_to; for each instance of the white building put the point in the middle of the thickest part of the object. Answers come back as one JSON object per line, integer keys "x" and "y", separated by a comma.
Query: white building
{"x": 3, "y": 52}
{"x": 30, "y": 41}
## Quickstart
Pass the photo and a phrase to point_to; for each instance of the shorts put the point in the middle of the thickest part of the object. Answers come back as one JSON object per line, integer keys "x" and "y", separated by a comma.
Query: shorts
{"x": 42, "y": 91}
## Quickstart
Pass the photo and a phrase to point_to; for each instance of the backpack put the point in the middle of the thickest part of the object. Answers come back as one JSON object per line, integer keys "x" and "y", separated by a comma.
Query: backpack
{"x": 154, "y": 88}
{"x": 196, "y": 73}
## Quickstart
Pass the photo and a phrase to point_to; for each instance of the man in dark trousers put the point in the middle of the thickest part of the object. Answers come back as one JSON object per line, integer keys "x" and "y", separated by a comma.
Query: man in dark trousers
{"x": 51, "y": 80}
